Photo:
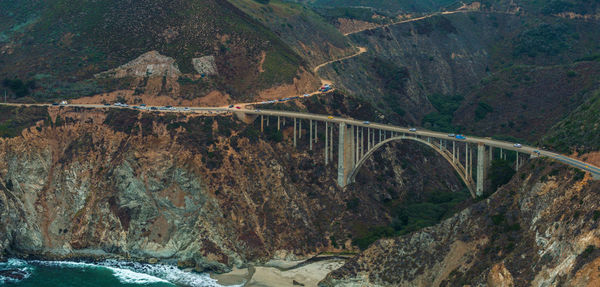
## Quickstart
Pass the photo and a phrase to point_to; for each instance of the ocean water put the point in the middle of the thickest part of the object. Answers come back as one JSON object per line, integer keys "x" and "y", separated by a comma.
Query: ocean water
{"x": 106, "y": 273}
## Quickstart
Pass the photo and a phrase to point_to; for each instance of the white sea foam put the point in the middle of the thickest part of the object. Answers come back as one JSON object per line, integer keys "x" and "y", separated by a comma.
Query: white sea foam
{"x": 124, "y": 275}
{"x": 138, "y": 273}
{"x": 167, "y": 272}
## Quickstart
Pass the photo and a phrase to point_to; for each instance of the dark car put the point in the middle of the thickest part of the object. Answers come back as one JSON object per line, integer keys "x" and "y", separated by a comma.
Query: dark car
{"x": 107, "y": 104}
{"x": 230, "y": 106}
{"x": 55, "y": 104}
{"x": 154, "y": 108}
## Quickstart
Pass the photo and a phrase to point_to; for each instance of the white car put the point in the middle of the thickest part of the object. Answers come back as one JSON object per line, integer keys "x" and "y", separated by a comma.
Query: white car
{"x": 412, "y": 129}
{"x": 517, "y": 145}
{"x": 451, "y": 135}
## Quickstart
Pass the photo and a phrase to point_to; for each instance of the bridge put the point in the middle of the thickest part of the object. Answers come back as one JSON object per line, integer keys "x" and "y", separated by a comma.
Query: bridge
{"x": 358, "y": 140}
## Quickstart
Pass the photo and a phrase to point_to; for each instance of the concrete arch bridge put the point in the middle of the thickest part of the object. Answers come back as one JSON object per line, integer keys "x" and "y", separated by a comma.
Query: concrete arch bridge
{"x": 357, "y": 140}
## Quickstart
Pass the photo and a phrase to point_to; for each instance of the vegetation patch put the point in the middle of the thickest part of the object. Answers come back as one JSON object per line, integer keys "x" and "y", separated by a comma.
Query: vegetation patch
{"x": 13, "y": 120}
{"x": 445, "y": 105}
{"x": 409, "y": 216}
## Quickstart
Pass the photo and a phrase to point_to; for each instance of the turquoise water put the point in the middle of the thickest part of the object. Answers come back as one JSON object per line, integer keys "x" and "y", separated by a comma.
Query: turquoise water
{"x": 107, "y": 273}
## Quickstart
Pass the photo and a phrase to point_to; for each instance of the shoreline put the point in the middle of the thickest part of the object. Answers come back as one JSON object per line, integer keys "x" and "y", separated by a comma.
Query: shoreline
{"x": 282, "y": 272}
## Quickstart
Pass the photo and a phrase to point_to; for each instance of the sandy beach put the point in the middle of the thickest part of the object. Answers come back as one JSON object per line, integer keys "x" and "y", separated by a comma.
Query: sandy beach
{"x": 280, "y": 273}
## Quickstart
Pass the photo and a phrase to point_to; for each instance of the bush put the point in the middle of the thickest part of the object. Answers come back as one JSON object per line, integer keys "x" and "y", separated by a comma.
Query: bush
{"x": 445, "y": 105}
{"x": 18, "y": 87}
{"x": 500, "y": 173}
{"x": 547, "y": 39}
{"x": 482, "y": 110}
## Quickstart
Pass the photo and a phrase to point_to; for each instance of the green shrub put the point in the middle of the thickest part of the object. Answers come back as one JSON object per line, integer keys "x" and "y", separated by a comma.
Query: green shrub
{"x": 482, "y": 110}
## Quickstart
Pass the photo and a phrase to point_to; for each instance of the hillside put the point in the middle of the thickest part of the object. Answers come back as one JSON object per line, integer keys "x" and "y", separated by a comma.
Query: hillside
{"x": 305, "y": 30}
{"x": 541, "y": 229}
{"x": 61, "y": 47}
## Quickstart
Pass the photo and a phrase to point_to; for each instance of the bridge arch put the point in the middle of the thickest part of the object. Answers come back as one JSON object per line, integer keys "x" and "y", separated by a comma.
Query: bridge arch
{"x": 458, "y": 167}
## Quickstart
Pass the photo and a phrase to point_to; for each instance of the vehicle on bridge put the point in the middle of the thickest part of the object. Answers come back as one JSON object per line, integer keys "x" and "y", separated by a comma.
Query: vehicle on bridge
{"x": 460, "y": 137}
{"x": 412, "y": 130}
{"x": 451, "y": 135}
{"x": 366, "y": 122}
{"x": 330, "y": 117}
{"x": 518, "y": 145}
{"x": 64, "y": 103}
{"x": 230, "y": 106}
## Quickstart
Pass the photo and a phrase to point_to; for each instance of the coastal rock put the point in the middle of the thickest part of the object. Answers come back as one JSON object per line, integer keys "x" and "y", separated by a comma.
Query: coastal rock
{"x": 13, "y": 274}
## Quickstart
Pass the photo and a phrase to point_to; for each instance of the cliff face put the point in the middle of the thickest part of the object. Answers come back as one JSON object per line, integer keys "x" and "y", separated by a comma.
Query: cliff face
{"x": 541, "y": 229}
{"x": 205, "y": 191}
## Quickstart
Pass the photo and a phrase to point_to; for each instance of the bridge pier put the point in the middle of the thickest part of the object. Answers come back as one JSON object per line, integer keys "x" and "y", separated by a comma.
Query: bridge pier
{"x": 480, "y": 169}
{"x": 345, "y": 153}
{"x": 453, "y": 151}
{"x": 310, "y": 140}
{"x": 278, "y": 123}
{"x": 294, "y": 132}
{"x": 300, "y": 129}
{"x": 326, "y": 149}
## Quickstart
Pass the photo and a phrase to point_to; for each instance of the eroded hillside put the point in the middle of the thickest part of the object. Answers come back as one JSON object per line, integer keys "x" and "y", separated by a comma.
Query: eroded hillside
{"x": 541, "y": 229}
{"x": 62, "y": 48}
{"x": 206, "y": 191}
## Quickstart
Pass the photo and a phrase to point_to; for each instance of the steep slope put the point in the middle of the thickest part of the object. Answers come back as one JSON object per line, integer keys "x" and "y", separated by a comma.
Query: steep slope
{"x": 539, "y": 230}
{"x": 64, "y": 45}
{"x": 309, "y": 35}
{"x": 478, "y": 57}
{"x": 206, "y": 191}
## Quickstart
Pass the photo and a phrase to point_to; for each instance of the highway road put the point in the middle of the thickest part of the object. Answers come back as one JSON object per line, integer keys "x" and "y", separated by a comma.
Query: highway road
{"x": 594, "y": 170}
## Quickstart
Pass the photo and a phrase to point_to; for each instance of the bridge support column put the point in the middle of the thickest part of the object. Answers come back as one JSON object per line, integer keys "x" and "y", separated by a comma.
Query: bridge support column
{"x": 453, "y": 152}
{"x": 310, "y": 140}
{"x": 517, "y": 162}
{"x": 467, "y": 160}
{"x": 480, "y": 169}
{"x": 345, "y": 151}
{"x": 356, "y": 145}
{"x": 268, "y": 120}
{"x": 294, "y": 132}
{"x": 331, "y": 143}
{"x": 300, "y": 129}
{"x": 316, "y": 132}
{"x": 278, "y": 123}
{"x": 262, "y": 121}
{"x": 326, "y": 149}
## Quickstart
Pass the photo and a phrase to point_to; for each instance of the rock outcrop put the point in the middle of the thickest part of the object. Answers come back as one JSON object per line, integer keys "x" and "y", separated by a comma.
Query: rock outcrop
{"x": 205, "y": 65}
{"x": 150, "y": 64}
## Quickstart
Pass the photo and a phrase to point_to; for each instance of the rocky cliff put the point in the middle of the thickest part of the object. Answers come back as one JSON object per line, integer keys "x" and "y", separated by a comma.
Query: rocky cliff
{"x": 205, "y": 191}
{"x": 541, "y": 229}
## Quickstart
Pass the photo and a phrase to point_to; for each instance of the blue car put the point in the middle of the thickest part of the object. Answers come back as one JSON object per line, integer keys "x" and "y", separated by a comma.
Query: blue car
{"x": 460, "y": 137}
